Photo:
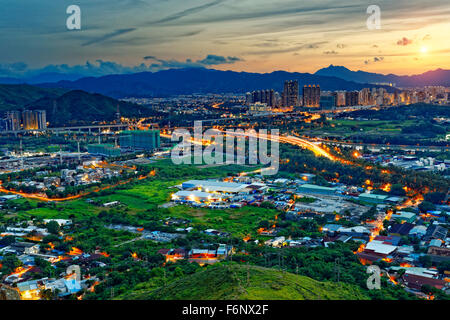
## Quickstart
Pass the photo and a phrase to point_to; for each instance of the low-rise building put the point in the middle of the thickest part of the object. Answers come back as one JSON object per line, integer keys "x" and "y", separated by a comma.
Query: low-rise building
{"x": 372, "y": 198}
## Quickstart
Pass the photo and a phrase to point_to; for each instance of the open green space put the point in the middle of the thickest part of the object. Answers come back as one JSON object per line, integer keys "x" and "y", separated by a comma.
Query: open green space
{"x": 240, "y": 282}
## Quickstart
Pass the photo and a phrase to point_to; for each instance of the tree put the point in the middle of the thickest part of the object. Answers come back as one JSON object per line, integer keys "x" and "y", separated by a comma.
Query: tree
{"x": 425, "y": 261}
{"x": 397, "y": 190}
{"x": 53, "y": 227}
{"x": 435, "y": 197}
{"x": 444, "y": 266}
{"x": 267, "y": 205}
{"x": 426, "y": 206}
{"x": 7, "y": 240}
{"x": 370, "y": 214}
{"x": 10, "y": 263}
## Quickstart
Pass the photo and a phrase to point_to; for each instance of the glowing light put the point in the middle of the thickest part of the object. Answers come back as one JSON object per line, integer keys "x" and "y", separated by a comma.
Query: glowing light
{"x": 19, "y": 271}
{"x": 406, "y": 265}
{"x": 424, "y": 50}
{"x": 75, "y": 252}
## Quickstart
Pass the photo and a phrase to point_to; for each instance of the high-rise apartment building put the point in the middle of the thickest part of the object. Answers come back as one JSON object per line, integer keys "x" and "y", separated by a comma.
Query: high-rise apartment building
{"x": 311, "y": 96}
{"x": 29, "y": 121}
{"x": 352, "y": 98}
{"x": 41, "y": 118}
{"x": 290, "y": 94}
{"x": 263, "y": 96}
{"x": 365, "y": 97}
{"x": 34, "y": 120}
{"x": 13, "y": 120}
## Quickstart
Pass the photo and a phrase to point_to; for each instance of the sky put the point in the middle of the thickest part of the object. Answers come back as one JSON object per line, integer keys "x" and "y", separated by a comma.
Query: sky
{"x": 123, "y": 36}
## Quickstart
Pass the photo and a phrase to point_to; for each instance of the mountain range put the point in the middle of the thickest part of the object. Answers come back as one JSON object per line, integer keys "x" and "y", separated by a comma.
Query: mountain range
{"x": 41, "y": 78}
{"x": 438, "y": 77}
{"x": 203, "y": 80}
{"x": 199, "y": 80}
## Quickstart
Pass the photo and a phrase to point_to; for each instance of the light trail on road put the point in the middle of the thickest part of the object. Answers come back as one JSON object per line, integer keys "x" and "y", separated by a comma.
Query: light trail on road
{"x": 315, "y": 148}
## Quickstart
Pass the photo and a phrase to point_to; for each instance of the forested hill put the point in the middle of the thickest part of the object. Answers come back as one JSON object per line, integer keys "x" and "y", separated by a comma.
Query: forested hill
{"x": 65, "y": 107}
{"x": 239, "y": 282}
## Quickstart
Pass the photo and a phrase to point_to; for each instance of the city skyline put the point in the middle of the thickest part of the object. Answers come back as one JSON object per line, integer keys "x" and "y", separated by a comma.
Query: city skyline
{"x": 132, "y": 36}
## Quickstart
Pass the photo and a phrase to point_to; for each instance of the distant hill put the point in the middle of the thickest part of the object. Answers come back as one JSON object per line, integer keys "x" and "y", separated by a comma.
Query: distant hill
{"x": 229, "y": 282}
{"x": 65, "y": 107}
{"x": 198, "y": 80}
{"x": 438, "y": 77}
{"x": 41, "y": 78}
{"x": 16, "y": 97}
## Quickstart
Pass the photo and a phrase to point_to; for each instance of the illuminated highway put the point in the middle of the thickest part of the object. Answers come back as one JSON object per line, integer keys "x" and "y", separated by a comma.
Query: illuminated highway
{"x": 296, "y": 141}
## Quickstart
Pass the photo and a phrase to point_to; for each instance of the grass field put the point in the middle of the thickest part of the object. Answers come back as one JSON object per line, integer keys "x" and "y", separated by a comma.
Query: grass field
{"x": 141, "y": 196}
{"x": 240, "y": 222}
{"x": 368, "y": 126}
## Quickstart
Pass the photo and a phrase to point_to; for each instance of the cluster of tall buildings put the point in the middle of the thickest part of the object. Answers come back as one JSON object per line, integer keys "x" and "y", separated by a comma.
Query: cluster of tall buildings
{"x": 313, "y": 97}
{"x": 269, "y": 97}
{"x": 25, "y": 120}
{"x": 289, "y": 98}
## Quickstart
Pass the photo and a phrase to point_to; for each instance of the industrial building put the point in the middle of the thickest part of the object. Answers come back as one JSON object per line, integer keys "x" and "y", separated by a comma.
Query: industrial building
{"x": 311, "y": 188}
{"x": 404, "y": 216}
{"x": 197, "y": 196}
{"x": 372, "y": 198}
{"x": 214, "y": 186}
{"x": 145, "y": 140}
{"x": 107, "y": 150}
{"x": 327, "y": 102}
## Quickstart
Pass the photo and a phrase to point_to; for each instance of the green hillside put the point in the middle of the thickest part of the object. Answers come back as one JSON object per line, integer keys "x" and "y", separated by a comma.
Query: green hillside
{"x": 66, "y": 107}
{"x": 229, "y": 282}
{"x": 16, "y": 97}
{"x": 79, "y": 106}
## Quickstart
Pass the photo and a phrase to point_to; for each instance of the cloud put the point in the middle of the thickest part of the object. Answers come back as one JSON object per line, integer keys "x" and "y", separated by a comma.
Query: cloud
{"x": 427, "y": 37}
{"x": 330, "y": 52}
{"x": 8, "y": 70}
{"x": 187, "y": 12}
{"x": 340, "y": 46}
{"x": 108, "y": 36}
{"x": 404, "y": 41}
{"x": 209, "y": 60}
{"x": 288, "y": 49}
{"x": 173, "y": 17}
{"x": 212, "y": 59}
{"x": 100, "y": 67}
{"x": 375, "y": 59}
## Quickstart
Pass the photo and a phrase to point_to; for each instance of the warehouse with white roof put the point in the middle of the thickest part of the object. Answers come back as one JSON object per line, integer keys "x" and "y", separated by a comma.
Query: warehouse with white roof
{"x": 214, "y": 186}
